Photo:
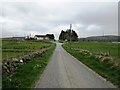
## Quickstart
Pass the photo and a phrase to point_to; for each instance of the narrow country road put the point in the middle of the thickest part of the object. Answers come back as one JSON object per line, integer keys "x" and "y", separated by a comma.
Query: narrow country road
{"x": 64, "y": 71}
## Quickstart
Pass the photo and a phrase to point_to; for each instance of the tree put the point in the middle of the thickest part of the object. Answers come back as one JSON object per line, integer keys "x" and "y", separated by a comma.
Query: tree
{"x": 65, "y": 35}
{"x": 51, "y": 36}
{"x": 62, "y": 35}
{"x": 74, "y": 36}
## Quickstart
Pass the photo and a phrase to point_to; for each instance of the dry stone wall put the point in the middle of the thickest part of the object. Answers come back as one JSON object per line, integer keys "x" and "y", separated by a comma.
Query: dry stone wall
{"x": 9, "y": 66}
{"x": 101, "y": 56}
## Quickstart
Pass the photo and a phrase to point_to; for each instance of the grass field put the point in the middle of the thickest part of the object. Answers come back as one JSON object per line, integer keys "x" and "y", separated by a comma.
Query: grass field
{"x": 0, "y": 51}
{"x": 105, "y": 69}
{"x": 12, "y": 48}
{"x": 112, "y": 48}
{"x": 26, "y": 75}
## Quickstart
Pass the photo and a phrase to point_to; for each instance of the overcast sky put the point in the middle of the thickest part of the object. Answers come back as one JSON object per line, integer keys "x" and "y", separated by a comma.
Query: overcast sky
{"x": 87, "y": 18}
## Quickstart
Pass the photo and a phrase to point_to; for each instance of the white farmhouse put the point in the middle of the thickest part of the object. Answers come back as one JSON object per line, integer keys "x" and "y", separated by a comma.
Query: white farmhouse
{"x": 41, "y": 37}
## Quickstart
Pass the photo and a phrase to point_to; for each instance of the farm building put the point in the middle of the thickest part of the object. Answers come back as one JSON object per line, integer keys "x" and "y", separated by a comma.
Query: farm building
{"x": 41, "y": 37}
{"x": 44, "y": 37}
{"x": 29, "y": 38}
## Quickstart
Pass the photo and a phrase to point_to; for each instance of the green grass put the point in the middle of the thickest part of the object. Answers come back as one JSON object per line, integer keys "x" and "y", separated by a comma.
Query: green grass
{"x": 27, "y": 74}
{"x": 112, "y": 48}
{"x": 111, "y": 74}
{"x": 0, "y": 50}
{"x": 13, "y": 48}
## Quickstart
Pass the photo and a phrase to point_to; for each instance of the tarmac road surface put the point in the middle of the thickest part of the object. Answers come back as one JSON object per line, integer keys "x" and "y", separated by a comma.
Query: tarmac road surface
{"x": 65, "y": 71}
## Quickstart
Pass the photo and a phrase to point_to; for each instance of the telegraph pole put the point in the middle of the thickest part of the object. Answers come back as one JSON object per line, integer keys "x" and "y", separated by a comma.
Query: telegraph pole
{"x": 70, "y": 34}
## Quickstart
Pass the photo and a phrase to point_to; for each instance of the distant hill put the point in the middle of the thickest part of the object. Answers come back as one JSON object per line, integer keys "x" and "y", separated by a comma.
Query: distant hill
{"x": 107, "y": 38}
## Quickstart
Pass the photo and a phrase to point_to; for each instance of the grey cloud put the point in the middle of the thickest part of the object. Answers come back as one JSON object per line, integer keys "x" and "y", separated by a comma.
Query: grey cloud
{"x": 50, "y": 17}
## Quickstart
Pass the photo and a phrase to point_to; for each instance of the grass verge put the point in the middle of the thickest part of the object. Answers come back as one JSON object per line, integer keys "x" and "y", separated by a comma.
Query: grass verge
{"x": 111, "y": 74}
{"x": 27, "y": 74}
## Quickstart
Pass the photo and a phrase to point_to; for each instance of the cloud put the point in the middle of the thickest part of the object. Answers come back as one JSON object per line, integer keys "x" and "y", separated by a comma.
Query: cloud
{"x": 92, "y": 28}
{"x": 12, "y": 24}
{"x": 88, "y": 18}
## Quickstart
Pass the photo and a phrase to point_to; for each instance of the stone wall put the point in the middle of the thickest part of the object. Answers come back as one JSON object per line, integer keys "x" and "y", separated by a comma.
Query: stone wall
{"x": 9, "y": 66}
